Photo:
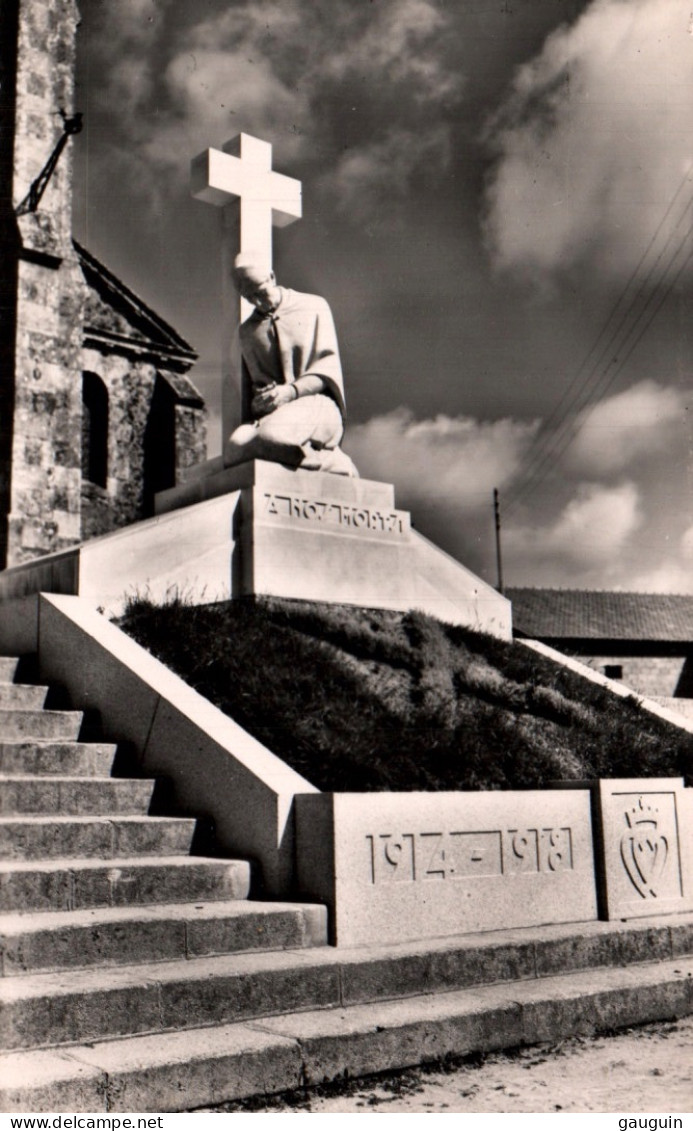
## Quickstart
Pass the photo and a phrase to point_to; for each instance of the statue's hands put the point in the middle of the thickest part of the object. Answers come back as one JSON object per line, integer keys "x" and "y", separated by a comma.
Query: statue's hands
{"x": 271, "y": 397}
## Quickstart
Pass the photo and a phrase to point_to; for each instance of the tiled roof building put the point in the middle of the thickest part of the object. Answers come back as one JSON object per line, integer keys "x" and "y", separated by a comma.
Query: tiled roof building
{"x": 644, "y": 639}
{"x": 585, "y": 614}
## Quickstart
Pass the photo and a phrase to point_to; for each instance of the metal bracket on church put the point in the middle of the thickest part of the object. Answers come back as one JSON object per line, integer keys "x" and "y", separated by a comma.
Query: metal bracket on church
{"x": 32, "y": 199}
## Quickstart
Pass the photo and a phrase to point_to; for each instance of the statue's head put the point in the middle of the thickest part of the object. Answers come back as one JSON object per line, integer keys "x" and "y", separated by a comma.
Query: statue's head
{"x": 255, "y": 281}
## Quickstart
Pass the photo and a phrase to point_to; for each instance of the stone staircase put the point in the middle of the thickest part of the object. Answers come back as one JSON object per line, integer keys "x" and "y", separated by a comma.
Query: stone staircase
{"x": 139, "y": 977}
{"x": 95, "y": 893}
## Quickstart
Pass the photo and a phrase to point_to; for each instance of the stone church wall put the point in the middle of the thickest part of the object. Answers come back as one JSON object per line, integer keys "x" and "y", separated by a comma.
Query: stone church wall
{"x": 56, "y": 301}
{"x": 41, "y": 399}
{"x": 191, "y": 440}
{"x": 45, "y": 453}
{"x": 151, "y": 440}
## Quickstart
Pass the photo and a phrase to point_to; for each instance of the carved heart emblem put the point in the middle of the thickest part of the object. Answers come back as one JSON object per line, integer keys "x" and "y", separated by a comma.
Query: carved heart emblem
{"x": 644, "y": 857}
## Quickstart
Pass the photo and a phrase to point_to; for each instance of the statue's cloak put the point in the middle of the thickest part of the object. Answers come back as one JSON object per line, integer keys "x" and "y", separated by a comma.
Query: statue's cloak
{"x": 305, "y": 343}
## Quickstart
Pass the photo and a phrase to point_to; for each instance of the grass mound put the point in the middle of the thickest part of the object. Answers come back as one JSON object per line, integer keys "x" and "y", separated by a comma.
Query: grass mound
{"x": 358, "y": 699}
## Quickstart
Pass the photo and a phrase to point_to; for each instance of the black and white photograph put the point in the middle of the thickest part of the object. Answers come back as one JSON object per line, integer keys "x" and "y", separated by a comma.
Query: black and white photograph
{"x": 346, "y": 560}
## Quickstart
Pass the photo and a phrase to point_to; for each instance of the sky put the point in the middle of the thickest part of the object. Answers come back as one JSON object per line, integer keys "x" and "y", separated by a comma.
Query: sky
{"x": 498, "y": 205}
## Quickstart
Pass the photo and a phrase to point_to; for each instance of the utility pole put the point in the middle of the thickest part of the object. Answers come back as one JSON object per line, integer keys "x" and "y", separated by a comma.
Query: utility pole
{"x": 499, "y": 560}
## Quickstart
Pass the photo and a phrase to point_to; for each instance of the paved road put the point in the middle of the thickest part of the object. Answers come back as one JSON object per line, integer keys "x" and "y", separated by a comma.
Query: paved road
{"x": 649, "y": 1069}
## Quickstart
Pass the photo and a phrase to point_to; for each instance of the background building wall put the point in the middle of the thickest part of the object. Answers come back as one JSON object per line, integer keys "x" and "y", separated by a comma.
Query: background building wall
{"x": 656, "y": 675}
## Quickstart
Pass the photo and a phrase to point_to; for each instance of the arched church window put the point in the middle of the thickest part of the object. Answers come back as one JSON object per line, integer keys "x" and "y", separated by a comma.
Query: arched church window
{"x": 94, "y": 429}
{"x": 159, "y": 444}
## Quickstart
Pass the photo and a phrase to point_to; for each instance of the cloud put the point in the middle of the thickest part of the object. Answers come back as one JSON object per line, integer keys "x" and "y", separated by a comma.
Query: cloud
{"x": 401, "y": 44}
{"x": 595, "y": 525}
{"x": 288, "y": 72}
{"x": 687, "y": 545}
{"x": 446, "y": 461}
{"x": 611, "y": 511}
{"x": 381, "y": 171}
{"x": 130, "y": 85}
{"x": 587, "y": 544}
{"x": 122, "y": 51}
{"x": 620, "y": 430}
{"x": 670, "y": 577}
{"x": 594, "y": 532}
{"x": 133, "y": 22}
{"x": 215, "y": 92}
{"x": 594, "y": 135}
{"x": 673, "y": 574}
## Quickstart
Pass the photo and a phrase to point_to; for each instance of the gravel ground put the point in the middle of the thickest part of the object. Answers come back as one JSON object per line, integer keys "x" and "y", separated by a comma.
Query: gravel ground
{"x": 648, "y": 1069}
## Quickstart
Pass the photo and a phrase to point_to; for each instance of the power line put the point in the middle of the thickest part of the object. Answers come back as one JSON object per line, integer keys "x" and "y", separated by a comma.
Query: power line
{"x": 570, "y": 428}
{"x": 548, "y": 445}
{"x": 624, "y": 292}
{"x": 545, "y": 439}
{"x": 549, "y": 441}
{"x": 567, "y": 424}
{"x": 647, "y": 325}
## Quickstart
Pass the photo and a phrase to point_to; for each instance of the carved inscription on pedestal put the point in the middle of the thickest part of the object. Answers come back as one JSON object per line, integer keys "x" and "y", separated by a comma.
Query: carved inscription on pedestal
{"x": 427, "y": 865}
{"x": 538, "y": 850}
{"x": 342, "y": 517}
{"x": 646, "y": 865}
{"x": 457, "y": 855}
{"x": 649, "y": 843}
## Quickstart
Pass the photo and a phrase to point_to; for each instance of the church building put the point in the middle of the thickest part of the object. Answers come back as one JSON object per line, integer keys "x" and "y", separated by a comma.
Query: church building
{"x": 97, "y": 412}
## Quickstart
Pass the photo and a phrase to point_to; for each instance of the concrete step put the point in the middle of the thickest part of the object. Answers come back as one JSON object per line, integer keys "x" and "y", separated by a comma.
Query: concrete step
{"x": 93, "y": 759}
{"x": 88, "y": 1005}
{"x": 39, "y": 724}
{"x": 49, "y": 838}
{"x": 183, "y": 1070}
{"x": 120, "y": 935}
{"x": 65, "y": 885}
{"x": 22, "y": 696}
{"x": 74, "y": 796}
{"x": 8, "y": 668}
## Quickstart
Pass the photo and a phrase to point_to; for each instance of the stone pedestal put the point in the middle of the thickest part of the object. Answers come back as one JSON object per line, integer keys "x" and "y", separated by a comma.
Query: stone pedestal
{"x": 211, "y": 479}
{"x": 262, "y": 529}
{"x": 398, "y": 866}
{"x": 322, "y": 537}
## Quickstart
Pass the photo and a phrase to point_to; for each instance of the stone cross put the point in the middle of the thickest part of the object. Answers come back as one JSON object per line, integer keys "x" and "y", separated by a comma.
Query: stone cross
{"x": 239, "y": 179}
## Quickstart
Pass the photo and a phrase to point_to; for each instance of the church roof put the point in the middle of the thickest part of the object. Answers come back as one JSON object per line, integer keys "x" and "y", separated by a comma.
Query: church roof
{"x": 117, "y": 317}
{"x": 583, "y": 614}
